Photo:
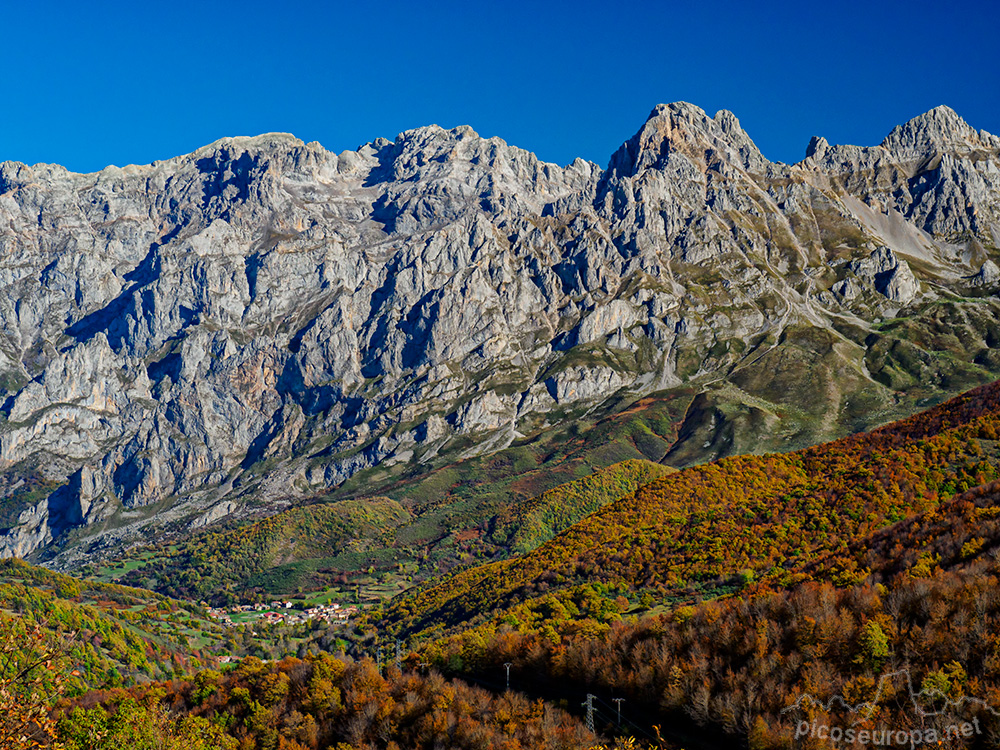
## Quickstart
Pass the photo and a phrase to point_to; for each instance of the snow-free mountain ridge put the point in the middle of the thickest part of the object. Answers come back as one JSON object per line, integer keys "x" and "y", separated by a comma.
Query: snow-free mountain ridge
{"x": 256, "y": 322}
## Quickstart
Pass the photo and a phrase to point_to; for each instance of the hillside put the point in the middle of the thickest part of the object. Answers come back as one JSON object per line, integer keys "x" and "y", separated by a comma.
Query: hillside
{"x": 354, "y": 543}
{"x": 118, "y": 635}
{"x": 957, "y": 536}
{"x": 263, "y": 324}
{"x": 221, "y": 564}
{"x": 912, "y": 605}
{"x": 731, "y": 672}
{"x": 860, "y": 568}
{"x": 869, "y": 568}
{"x": 320, "y": 702}
{"x": 527, "y": 525}
{"x": 909, "y": 605}
{"x": 711, "y": 529}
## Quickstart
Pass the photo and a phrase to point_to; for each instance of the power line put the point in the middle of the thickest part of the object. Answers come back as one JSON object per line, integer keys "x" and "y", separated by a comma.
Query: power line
{"x": 594, "y": 714}
{"x": 631, "y": 723}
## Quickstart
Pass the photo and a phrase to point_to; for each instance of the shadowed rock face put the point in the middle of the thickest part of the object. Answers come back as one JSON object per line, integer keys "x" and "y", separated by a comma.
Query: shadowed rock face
{"x": 262, "y": 319}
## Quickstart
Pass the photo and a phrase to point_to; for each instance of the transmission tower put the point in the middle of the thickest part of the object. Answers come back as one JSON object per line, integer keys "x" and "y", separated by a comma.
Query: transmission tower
{"x": 619, "y": 701}
{"x": 589, "y": 705}
{"x": 508, "y": 665}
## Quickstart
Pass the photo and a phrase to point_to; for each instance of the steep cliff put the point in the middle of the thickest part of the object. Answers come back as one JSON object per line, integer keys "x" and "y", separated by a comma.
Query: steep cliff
{"x": 260, "y": 320}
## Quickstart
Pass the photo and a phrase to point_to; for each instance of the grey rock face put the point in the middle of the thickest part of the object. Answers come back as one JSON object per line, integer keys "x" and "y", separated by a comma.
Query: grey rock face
{"x": 935, "y": 170}
{"x": 888, "y": 274}
{"x": 818, "y": 146}
{"x": 987, "y": 275}
{"x": 262, "y": 319}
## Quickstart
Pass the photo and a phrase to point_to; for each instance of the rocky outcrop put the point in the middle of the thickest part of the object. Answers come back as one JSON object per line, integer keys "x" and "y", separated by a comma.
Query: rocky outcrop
{"x": 988, "y": 275}
{"x": 888, "y": 274}
{"x": 935, "y": 170}
{"x": 262, "y": 319}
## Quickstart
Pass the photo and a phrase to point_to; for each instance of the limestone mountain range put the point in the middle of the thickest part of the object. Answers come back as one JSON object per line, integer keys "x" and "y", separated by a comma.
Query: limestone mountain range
{"x": 250, "y": 325}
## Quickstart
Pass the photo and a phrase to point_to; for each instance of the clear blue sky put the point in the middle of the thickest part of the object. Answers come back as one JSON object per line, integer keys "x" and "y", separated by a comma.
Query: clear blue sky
{"x": 88, "y": 84}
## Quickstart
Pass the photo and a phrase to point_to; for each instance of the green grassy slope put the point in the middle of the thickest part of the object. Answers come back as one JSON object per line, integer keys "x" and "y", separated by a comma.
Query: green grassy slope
{"x": 526, "y": 525}
{"x": 215, "y": 564}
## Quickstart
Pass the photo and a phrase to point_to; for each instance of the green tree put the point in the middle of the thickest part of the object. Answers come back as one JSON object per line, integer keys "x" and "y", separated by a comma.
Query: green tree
{"x": 873, "y": 646}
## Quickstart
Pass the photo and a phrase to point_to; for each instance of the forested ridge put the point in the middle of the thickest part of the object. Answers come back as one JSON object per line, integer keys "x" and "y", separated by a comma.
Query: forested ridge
{"x": 319, "y": 702}
{"x": 929, "y": 604}
{"x": 706, "y": 529}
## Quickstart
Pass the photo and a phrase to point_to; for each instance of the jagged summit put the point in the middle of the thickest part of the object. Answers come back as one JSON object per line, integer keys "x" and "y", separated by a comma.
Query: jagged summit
{"x": 685, "y": 129}
{"x": 818, "y": 146}
{"x": 936, "y": 131}
{"x": 940, "y": 128}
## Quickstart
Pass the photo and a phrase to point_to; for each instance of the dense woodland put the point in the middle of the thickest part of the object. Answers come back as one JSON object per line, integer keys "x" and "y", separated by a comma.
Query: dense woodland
{"x": 320, "y": 702}
{"x": 527, "y": 525}
{"x": 120, "y": 634}
{"x": 734, "y": 666}
{"x": 930, "y": 606}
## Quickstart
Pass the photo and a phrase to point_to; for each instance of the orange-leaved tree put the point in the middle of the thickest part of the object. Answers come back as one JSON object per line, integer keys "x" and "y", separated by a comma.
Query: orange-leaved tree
{"x": 32, "y": 677}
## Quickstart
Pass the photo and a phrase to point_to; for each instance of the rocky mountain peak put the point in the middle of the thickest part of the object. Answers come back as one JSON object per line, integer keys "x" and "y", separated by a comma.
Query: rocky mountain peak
{"x": 940, "y": 130}
{"x": 818, "y": 146}
{"x": 262, "y": 142}
{"x": 684, "y": 129}
{"x": 480, "y": 174}
{"x": 936, "y": 170}
{"x": 738, "y": 138}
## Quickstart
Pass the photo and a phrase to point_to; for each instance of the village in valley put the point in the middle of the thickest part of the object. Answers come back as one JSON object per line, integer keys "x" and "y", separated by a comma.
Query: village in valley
{"x": 279, "y": 612}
